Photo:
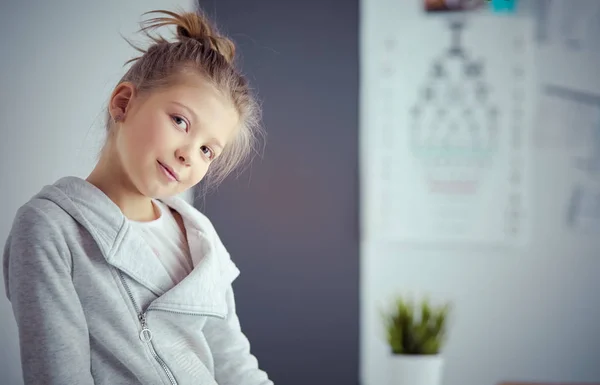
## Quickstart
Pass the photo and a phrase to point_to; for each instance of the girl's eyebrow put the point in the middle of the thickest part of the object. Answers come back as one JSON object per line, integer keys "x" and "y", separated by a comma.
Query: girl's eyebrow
{"x": 189, "y": 110}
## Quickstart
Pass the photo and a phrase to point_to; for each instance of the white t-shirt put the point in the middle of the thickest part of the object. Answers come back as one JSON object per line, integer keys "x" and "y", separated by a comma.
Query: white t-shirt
{"x": 168, "y": 242}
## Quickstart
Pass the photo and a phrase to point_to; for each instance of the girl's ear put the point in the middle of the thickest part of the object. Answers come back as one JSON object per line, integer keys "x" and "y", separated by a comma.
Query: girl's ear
{"x": 120, "y": 101}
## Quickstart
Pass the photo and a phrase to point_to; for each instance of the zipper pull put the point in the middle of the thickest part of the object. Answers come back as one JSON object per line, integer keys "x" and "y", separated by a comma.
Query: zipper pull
{"x": 145, "y": 334}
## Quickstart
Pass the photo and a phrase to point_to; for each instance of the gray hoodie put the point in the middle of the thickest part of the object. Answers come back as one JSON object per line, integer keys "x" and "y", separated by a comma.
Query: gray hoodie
{"x": 89, "y": 306}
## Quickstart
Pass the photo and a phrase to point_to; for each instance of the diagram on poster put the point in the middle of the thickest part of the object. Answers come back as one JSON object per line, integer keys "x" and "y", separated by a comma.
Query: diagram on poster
{"x": 453, "y": 124}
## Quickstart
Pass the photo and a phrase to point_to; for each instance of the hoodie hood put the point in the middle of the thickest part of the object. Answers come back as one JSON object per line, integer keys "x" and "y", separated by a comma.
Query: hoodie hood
{"x": 202, "y": 290}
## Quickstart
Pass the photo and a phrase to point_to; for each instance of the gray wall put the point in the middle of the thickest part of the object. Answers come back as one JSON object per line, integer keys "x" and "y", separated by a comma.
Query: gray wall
{"x": 291, "y": 221}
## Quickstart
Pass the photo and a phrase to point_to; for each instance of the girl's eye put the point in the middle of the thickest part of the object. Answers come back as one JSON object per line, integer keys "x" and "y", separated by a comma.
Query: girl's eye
{"x": 180, "y": 122}
{"x": 207, "y": 152}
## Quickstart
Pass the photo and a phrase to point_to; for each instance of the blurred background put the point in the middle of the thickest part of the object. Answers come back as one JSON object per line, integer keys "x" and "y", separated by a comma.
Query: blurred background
{"x": 447, "y": 149}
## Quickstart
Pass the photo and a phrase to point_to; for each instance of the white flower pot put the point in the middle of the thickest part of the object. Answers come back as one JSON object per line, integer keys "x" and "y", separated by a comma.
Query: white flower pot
{"x": 416, "y": 369}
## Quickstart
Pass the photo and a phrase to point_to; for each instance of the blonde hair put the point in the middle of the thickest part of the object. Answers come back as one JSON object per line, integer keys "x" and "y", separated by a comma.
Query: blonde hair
{"x": 199, "y": 48}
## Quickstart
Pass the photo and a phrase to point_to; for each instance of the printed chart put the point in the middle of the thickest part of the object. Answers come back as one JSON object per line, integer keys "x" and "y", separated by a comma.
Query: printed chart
{"x": 453, "y": 128}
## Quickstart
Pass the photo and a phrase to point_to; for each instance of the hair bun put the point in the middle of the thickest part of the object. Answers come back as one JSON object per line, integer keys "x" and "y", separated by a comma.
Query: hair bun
{"x": 194, "y": 25}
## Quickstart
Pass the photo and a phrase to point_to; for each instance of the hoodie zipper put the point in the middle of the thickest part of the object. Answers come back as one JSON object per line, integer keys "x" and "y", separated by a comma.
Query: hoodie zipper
{"x": 146, "y": 334}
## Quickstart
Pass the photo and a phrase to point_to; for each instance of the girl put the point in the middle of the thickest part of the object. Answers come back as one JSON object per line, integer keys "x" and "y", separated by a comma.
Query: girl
{"x": 115, "y": 280}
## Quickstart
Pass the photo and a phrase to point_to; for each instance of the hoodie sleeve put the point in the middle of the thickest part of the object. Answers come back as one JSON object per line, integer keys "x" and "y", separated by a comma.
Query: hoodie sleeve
{"x": 53, "y": 333}
{"x": 234, "y": 364}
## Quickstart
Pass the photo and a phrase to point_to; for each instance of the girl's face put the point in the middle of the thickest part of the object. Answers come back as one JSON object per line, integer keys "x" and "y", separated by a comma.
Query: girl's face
{"x": 167, "y": 139}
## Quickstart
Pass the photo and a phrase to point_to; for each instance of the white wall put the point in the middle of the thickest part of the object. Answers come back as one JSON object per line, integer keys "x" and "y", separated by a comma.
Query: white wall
{"x": 527, "y": 315}
{"x": 58, "y": 62}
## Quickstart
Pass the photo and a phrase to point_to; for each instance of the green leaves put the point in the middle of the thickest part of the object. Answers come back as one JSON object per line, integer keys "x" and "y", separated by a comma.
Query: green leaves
{"x": 416, "y": 329}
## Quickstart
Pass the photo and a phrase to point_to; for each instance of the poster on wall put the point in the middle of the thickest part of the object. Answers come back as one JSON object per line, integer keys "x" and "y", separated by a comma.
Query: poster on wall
{"x": 568, "y": 111}
{"x": 566, "y": 38}
{"x": 450, "y": 125}
{"x": 568, "y": 127}
{"x": 569, "y": 26}
{"x": 503, "y": 6}
{"x": 452, "y": 5}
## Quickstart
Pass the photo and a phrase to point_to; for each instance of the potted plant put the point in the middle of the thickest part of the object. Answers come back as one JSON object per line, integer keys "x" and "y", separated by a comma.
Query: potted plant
{"x": 416, "y": 334}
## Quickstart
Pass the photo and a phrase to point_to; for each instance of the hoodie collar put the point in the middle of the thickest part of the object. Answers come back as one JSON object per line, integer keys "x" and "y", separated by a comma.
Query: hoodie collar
{"x": 202, "y": 291}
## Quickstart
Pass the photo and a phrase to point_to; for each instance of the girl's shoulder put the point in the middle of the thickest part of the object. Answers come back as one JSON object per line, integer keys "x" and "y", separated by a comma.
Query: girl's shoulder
{"x": 43, "y": 213}
{"x": 36, "y": 239}
{"x": 39, "y": 214}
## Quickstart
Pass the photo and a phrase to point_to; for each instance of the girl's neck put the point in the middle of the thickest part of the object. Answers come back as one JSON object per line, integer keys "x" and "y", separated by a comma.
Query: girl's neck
{"x": 122, "y": 192}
